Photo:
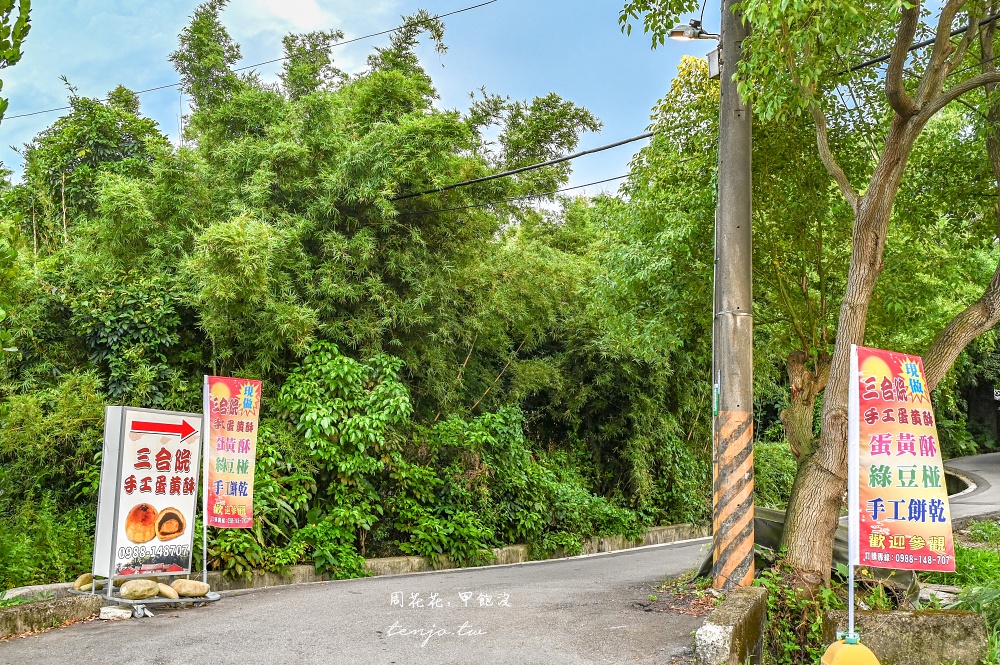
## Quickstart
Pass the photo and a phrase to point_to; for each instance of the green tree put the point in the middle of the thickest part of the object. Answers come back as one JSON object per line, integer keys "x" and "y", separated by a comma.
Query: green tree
{"x": 12, "y": 35}
{"x": 64, "y": 163}
{"x": 795, "y": 59}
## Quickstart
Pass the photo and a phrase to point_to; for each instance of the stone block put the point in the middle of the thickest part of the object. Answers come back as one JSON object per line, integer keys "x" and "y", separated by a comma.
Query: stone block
{"x": 924, "y": 637}
{"x": 115, "y": 612}
{"x": 511, "y": 554}
{"x": 733, "y": 633}
{"x": 59, "y": 590}
{"x": 398, "y": 565}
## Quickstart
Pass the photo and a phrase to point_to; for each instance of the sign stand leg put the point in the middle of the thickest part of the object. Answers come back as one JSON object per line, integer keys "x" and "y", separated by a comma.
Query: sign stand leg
{"x": 204, "y": 555}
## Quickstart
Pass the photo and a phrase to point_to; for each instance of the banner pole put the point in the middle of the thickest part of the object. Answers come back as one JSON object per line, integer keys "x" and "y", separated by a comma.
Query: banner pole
{"x": 850, "y": 600}
{"x": 853, "y": 486}
{"x": 204, "y": 484}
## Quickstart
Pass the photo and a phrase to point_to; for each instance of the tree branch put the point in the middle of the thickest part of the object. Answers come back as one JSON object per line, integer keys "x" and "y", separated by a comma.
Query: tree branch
{"x": 895, "y": 91}
{"x": 993, "y": 113}
{"x": 973, "y": 109}
{"x": 985, "y": 312}
{"x": 829, "y": 161}
{"x": 963, "y": 46}
{"x": 928, "y": 110}
{"x": 937, "y": 69}
{"x": 969, "y": 324}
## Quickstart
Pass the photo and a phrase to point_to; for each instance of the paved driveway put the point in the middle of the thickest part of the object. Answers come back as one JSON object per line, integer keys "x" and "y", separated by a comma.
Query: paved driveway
{"x": 568, "y": 611}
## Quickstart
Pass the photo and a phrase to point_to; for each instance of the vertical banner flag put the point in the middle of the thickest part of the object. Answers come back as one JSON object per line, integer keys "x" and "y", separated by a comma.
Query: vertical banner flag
{"x": 899, "y": 508}
{"x": 232, "y": 408}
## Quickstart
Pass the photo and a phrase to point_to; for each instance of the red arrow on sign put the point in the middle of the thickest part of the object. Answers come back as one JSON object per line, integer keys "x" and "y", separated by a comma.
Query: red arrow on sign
{"x": 184, "y": 430}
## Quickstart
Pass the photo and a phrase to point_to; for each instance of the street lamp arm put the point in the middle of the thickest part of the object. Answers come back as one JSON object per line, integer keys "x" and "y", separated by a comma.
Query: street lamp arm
{"x": 693, "y": 30}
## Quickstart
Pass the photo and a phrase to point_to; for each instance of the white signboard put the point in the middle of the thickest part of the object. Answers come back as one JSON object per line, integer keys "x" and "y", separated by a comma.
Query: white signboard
{"x": 149, "y": 492}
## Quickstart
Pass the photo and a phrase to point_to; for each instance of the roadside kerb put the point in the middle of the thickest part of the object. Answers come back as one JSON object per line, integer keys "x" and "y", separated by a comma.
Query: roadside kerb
{"x": 43, "y": 614}
{"x": 733, "y": 633}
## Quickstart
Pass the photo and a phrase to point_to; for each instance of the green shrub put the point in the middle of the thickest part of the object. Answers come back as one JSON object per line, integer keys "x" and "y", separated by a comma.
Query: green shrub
{"x": 774, "y": 470}
{"x": 47, "y": 438}
{"x": 520, "y": 495}
{"x": 794, "y": 631}
{"x": 40, "y": 543}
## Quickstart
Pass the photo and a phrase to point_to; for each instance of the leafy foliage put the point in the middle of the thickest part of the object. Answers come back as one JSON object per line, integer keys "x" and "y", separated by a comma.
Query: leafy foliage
{"x": 338, "y": 477}
{"x": 794, "y": 630}
{"x": 12, "y": 35}
{"x": 41, "y": 542}
{"x": 445, "y": 377}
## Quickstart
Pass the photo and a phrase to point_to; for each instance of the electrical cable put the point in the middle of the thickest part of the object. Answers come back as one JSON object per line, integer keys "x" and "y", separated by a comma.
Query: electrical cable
{"x": 267, "y": 62}
{"x": 530, "y": 167}
{"x": 525, "y": 196}
{"x": 512, "y": 198}
{"x": 977, "y": 64}
{"x": 378, "y": 34}
{"x": 914, "y": 47}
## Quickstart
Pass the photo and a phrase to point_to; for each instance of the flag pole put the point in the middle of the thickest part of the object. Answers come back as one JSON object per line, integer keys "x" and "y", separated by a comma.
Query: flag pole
{"x": 853, "y": 489}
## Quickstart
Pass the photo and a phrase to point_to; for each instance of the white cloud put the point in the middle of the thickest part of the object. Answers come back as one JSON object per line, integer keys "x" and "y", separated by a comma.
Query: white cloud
{"x": 253, "y": 17}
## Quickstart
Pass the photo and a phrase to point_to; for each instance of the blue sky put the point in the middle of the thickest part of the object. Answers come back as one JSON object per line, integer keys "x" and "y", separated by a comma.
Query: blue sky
{"x": 512, "y": 47}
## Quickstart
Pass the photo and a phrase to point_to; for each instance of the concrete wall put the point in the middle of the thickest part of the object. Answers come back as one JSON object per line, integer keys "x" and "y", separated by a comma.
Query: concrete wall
{"x": 44, "y": 614}
{"x": 925, "y": 637}
{"x": 733, "y": 634}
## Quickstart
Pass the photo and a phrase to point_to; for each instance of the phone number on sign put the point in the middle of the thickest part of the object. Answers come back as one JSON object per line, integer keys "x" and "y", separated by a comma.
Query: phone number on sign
{"x": 141, "y": 551}
{"x": 942, "y": 559}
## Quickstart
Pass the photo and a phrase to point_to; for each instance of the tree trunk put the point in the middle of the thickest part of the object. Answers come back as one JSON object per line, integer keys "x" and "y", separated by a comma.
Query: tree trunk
{"x": 799, "y": 416}
{"x": 818, "y": 493}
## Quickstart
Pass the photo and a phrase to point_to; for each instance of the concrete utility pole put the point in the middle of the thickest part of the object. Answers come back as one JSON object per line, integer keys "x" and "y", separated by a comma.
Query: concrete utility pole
{"x": 732, "y": 352}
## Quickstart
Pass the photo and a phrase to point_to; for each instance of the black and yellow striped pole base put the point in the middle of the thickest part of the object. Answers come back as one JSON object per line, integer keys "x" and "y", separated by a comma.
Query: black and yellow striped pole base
{"x": 733, "y": 500}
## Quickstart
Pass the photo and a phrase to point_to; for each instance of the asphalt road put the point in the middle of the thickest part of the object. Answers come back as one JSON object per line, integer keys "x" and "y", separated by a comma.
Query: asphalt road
{"x": 561, "y": 612}
{"x": 985, "y": 499}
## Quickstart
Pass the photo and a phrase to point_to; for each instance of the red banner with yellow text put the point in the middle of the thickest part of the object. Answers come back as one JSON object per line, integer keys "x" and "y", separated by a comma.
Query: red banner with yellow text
{"x": 232, "y": 409}
{"x": 899, "y": 513}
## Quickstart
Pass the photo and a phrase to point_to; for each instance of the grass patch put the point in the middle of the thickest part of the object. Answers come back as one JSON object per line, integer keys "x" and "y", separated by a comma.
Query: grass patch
{"x": 43, "y": 543}
{"x": 23, "y": 600}
{"x": 987, "y": 533}
{"x": 974, "y": 566}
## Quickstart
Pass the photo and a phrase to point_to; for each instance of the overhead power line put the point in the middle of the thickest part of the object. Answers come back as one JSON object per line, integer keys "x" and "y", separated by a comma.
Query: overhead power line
{"x": 530, "y": 167}
{"x": 918, "y": 45}
{"x": 267, "y": 62}
{"x": 512, "y": 198}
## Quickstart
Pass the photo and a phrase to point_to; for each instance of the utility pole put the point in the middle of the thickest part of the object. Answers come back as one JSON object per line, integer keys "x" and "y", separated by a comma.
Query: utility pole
{"x": 732, "y": 329}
